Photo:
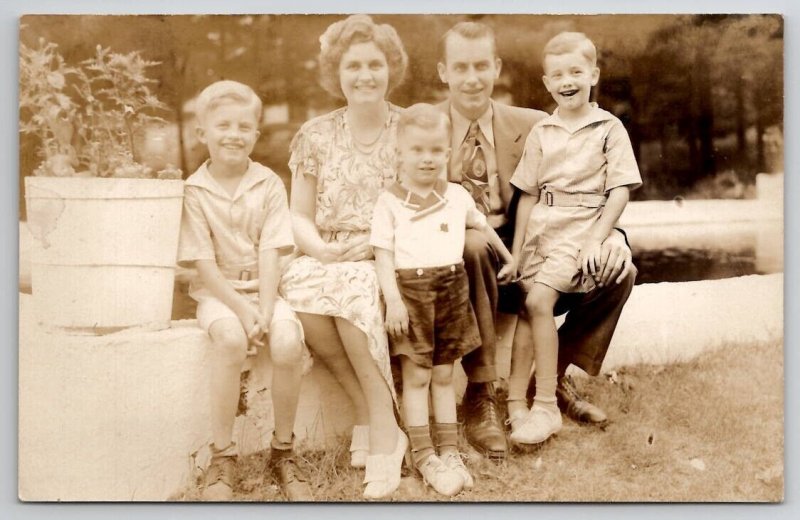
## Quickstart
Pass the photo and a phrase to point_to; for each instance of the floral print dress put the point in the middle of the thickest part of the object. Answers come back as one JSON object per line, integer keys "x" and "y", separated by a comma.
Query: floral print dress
{"x": 348, "y": 184}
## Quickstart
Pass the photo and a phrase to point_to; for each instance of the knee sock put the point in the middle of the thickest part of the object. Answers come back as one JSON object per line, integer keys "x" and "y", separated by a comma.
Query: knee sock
{"x": 546, "y": 391}
{"x": 421, "y": 444}
{"x": 446, "y": 437}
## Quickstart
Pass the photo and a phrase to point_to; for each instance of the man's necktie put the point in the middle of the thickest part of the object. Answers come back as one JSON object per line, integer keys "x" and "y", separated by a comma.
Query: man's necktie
{"x": 474, "y": 174}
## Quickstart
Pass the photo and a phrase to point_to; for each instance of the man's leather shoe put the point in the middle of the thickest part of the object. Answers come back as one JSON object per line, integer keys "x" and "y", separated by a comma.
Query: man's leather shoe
{"x": 482, "y": 425}
{"x": 571, "y": 402}
{"x": 575, "y": 406}
{"x": 291, "y": 479}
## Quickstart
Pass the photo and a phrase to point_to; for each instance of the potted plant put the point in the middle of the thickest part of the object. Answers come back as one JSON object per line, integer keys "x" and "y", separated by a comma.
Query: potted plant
{"x": 105, "y": 224}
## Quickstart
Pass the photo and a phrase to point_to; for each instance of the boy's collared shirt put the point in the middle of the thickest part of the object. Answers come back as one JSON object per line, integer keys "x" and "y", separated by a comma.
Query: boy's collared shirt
{"x": 424, "y": 232}
{"x": 232, "y": 230}
{"x": 594, "y": 158}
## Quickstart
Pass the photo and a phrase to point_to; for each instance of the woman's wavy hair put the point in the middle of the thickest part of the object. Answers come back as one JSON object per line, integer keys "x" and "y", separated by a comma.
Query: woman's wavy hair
{"x": 359, "y": 28}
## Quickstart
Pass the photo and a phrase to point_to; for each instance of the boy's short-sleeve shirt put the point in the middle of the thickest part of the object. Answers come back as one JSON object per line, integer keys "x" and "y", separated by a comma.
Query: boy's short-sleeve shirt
{"x": 232, "y": 230}
{"x": 424, "y": 233}
{"x": 594, "y": 158}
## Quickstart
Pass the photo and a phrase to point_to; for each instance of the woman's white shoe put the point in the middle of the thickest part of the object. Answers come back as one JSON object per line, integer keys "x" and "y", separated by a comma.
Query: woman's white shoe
{"x": 359, "y": 446}
{"x": 382, "y": 475}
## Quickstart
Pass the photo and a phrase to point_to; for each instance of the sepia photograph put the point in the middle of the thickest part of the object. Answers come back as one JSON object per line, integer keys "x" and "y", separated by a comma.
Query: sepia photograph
{"x": 401, "y": 258}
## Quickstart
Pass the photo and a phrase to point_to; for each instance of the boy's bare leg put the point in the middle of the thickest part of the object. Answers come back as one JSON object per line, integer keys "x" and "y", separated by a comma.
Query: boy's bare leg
{"x": 416, "y": 381}
{"x": 286, "y": 351}
{"x": 521, "y": 364}
{"x": 228, "y": 352}
{"x": 443, "y": 394}
{"x": 539, "y": 305}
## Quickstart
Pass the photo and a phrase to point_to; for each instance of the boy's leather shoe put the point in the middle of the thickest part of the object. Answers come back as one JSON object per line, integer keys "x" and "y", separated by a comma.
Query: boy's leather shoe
{"x": 482, "y": 425}
{"x": 219, "y": 478}
{"x": 575, "y": 406}
{"x": 291, "y": 479}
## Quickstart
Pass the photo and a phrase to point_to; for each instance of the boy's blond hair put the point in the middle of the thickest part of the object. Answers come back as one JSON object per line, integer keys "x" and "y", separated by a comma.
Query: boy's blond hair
{"x": 423, "y": 115}
{"x": 226, "y": 91}
{"x": 566, "y": 41}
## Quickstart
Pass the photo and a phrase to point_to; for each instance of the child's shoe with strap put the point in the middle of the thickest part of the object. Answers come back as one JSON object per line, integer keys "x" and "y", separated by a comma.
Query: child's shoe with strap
{"x": 440, "y": 477}
{"x": 453, "y": 460}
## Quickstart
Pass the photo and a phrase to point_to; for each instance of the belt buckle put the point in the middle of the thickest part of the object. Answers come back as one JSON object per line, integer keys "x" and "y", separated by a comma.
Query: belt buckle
{"x": 548, "y": 198}
{"x": 245, "y": 276}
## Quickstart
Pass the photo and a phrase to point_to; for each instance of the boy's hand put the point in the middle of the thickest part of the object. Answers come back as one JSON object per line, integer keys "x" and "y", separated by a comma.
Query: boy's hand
{"x": 252, "y": 323}
{"x": 396, "y": 318}
{"x": 616, "y": 261}
{"x": 508, "y": 272}
{"x": 590, "y": 258}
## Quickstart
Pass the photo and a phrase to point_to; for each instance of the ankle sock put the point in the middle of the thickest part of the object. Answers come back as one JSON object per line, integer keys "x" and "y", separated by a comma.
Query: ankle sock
{"x": 421, "y": 444}
{"x": 275, "y": 444}
{"x": 546, "y": 389}
{"x": 446, "y": 437}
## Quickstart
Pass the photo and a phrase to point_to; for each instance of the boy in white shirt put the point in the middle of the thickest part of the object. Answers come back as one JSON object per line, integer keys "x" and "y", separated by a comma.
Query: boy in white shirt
{"x": 418, "y": 232}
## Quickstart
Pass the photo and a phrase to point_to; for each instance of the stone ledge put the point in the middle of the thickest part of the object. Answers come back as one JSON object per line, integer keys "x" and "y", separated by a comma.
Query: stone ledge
{"x": 124, "y": 417}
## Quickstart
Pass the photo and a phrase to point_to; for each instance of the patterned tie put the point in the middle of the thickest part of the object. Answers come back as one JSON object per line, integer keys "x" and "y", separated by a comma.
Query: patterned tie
{"x": 474, "y": 174}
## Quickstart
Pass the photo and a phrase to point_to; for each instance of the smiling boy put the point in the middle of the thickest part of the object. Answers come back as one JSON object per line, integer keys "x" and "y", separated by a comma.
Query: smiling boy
{"x": 418, "y": 231}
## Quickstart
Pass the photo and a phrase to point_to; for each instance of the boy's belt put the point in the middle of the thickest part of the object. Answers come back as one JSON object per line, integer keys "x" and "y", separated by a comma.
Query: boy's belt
{"x": 242, "y": 275}
{"x": 564, "y": 199}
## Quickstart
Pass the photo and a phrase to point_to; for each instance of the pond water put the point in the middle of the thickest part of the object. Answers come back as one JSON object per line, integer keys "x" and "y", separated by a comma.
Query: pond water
{"x": 666, "y": 265}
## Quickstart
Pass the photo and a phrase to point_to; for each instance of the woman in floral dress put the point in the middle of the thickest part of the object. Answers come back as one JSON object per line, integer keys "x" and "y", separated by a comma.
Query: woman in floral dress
{"x": 340, "y": 162}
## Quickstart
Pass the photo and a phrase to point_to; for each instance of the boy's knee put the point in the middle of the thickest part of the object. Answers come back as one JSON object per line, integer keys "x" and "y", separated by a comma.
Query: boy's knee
{"x": 229, "y": 341}
{"x": 442, "y": 375}
{"x": 538, "y": 306}
{"x": 415, "y": 376}
{"x": 285, "y": 346}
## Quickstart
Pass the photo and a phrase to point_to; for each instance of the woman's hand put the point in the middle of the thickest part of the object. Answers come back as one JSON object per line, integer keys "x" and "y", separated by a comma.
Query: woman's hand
{"x": 356, "y": 249}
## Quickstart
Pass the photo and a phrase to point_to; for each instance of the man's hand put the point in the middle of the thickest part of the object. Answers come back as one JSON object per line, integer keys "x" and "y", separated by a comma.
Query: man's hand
{"x": 396, "y": 318}
{"x": 589, "y": 258}
{"x": 508, "y": 272}
{"x": 616, "y": 260}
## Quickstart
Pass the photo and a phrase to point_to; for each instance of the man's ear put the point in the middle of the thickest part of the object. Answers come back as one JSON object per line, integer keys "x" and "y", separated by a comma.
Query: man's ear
{"x": 595, "y": 76}
{"x": 498, "y": 65}
{"x": 441, "y": 68}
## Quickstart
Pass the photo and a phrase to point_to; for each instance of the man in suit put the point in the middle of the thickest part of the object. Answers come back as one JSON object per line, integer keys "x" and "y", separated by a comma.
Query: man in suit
{"x": 487, "y": 143}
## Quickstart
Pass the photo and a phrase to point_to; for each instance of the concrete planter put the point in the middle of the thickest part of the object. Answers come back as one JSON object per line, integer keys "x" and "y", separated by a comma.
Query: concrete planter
{"x": 104, "y": 251}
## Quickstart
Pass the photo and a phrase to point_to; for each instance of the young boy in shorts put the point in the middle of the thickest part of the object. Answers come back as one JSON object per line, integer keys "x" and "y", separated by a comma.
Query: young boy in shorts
{"x": 576, "y": 173}
{"x": 235, "y": 225}
{"x": 418, "y": 233}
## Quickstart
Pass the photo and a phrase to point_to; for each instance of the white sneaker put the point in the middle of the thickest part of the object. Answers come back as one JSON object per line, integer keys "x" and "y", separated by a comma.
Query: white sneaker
{"x": 441, "y": 478}
{"x": 453, "y": 461}
{"x": 539, "y": 425}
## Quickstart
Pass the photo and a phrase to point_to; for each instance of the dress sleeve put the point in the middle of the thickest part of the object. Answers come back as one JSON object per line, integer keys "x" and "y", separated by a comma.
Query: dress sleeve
{"x": 382, "y": 233}
{"x": 304, "y": 152}
{"x": 195, "y": 236}
{"x": 526, "y": 176}
{"x": 622, "y": 169}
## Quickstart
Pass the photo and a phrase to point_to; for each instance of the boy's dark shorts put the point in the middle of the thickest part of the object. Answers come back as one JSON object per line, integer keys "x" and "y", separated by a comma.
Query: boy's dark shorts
{"x": 441, "y": 323}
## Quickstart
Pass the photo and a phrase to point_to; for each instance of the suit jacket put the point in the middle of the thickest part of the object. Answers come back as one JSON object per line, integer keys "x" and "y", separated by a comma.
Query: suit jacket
{"x": 511, "y": 126}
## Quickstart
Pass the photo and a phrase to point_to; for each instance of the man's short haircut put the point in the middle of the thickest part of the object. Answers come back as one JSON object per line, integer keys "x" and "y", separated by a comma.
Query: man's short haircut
{"x": 423, "y": 115}
{"x": 565, "y": 42}
{"x": 226, "y": 91}
{"x": 470, "y": 31}
{"x": 359, "y": 28}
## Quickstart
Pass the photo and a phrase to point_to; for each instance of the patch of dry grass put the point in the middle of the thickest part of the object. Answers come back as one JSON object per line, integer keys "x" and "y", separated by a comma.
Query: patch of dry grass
{"x": 710, "y": 430}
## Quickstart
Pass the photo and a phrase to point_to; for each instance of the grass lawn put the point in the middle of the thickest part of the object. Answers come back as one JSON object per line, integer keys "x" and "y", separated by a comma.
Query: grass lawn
{"x": 710, "y": 430}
